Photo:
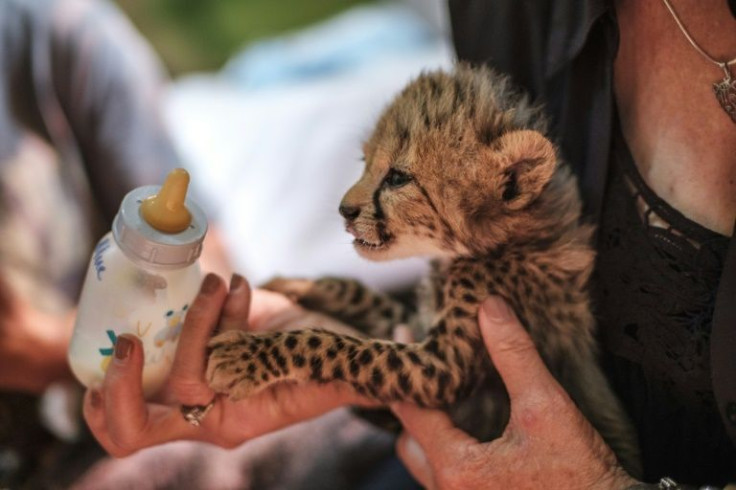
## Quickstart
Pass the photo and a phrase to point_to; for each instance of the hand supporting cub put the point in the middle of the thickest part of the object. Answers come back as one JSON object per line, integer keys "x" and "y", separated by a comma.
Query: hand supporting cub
{"x": 547, "y": 442}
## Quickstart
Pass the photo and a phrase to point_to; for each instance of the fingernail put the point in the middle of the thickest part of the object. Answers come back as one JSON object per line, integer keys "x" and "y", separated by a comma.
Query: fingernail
{"x": 496, "y": 309}
{"x": 95, "y": 398}
{"x": 414, "y": 450}
{"x": 402, "y": 334}
{"x": 123, "y": 346}
{"x": 236, "y": 282}
{"x": 210, "y": 284}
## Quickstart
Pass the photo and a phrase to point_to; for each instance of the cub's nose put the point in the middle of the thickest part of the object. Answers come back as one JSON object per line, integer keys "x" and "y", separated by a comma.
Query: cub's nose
{"x": 349, "y": 212}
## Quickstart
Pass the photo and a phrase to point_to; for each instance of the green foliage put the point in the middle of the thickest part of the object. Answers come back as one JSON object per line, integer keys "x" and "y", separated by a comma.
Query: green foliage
{"x": 196, "y": 35}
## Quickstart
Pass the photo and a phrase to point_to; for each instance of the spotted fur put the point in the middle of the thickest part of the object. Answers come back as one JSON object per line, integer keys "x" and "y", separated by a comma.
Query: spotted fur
{"x": 457, "y": 168}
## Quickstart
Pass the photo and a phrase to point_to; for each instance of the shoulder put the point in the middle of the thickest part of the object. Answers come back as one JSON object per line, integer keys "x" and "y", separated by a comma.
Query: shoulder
{"x": 509, "y": 35}
{"x": 560, "y": 52}
{"x": 529, "y": 40}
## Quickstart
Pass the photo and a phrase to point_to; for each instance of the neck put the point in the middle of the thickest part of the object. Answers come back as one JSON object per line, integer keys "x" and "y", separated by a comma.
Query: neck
{"x": 681, "y": 139}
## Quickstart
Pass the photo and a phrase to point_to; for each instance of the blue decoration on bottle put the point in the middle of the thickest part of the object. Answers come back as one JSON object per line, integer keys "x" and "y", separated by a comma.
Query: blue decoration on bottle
{"x": 109, "y": 350}
{"x": 97, "y": 259}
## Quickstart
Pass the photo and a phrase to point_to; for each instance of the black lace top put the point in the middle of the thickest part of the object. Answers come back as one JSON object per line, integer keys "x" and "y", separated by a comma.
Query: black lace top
{"x": 657, "y": 275}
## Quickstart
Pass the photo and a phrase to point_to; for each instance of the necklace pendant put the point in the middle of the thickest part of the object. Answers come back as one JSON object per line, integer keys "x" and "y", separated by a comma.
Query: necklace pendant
{"x": 725, "y": 91}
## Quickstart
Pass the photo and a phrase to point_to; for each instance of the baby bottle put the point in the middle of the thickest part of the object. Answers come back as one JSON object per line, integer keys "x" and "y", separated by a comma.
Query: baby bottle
{"x": 141, "y": 280}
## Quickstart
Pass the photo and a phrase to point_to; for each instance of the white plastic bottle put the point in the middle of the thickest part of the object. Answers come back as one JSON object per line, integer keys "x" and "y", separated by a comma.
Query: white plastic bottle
{"x": 141, "y": 280}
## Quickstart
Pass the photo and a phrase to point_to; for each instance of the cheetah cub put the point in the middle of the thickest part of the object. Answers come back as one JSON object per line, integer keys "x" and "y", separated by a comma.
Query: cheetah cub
{"x": 457, "y": 168}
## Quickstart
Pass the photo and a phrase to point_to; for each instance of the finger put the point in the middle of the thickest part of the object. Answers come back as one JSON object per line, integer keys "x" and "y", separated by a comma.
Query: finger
{"x": 403, "y": 335}
{"x": 272, "y": 311}
{"x": 512, "y": 350}
{"x": 413, "y": 457}
{"x": 285, "y": 404}
{"x": 93, "y": 410}
{"x": 432, "y": 430}
{"x": 125, "y": 413}
{"x": 187, "y": 373}
{"x": 164, "y": 425}
{"x": 117, "y": 413}
{"x": 237, "y": 305}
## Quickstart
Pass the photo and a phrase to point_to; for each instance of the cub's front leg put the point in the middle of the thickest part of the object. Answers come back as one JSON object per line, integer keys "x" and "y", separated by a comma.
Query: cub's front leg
{"x": 347, "y": 300}
{"x": 432, "y": 373}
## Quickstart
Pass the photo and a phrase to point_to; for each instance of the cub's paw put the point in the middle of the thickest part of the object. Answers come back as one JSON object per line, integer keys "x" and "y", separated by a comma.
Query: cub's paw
{"x": 294, "y": 289}
{"x": 239, "y": 365}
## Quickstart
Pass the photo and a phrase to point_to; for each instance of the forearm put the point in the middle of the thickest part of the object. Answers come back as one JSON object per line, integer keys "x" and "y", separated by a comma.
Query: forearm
{"x": 30, "y": 361}
{"x": 667, "y": 483}
{"x": 32, "y": 373}
{"x": 32, "y": 344}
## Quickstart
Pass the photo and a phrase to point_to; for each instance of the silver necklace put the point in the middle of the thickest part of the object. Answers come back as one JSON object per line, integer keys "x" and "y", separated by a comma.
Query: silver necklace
{"x": 725, "y": 90}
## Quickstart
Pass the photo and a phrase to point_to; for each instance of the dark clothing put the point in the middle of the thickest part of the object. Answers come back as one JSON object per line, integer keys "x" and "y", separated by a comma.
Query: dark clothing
{"x": 561, "y": 53}
{"x": 657, "y": 287}
{"x": 656, "y": 279}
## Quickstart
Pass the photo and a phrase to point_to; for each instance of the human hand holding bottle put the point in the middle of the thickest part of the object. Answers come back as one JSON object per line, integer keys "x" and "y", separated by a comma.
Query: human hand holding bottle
{"x": 123, "y": 422}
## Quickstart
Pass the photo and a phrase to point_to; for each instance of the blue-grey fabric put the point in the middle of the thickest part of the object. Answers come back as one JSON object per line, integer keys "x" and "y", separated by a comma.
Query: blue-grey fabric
{"x": 78, "y": 129}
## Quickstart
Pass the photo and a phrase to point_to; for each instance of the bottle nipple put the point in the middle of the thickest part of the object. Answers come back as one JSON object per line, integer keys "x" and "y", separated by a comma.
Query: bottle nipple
{"x": 166, "y": 211}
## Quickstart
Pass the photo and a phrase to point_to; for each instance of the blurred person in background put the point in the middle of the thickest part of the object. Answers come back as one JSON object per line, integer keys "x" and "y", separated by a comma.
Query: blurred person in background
{"x": 79, "y": 128}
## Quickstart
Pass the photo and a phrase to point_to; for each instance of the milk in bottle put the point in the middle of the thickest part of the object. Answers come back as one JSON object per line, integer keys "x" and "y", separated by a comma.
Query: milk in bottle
{"x": 141, "y": 280}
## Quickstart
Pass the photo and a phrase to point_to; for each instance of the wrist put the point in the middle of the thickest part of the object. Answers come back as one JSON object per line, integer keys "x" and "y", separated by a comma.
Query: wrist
{"x": 614, "y": 477}
{"x": 667, "y": 483}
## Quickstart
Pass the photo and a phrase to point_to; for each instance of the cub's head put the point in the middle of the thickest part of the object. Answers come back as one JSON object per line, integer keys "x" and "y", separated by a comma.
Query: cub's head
{"x": 456, "y": 165}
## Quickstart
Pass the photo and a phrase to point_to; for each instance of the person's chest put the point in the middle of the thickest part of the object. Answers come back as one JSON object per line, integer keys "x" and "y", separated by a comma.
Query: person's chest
{"x": 683, "y": 142}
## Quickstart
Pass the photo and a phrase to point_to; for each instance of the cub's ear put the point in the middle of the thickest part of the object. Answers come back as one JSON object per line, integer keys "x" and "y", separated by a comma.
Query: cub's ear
{"x": 528, "y": 160}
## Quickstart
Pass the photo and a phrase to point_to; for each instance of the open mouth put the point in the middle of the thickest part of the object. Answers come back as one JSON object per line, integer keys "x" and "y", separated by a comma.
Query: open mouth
{"x": 359, "y": 242}
{"x": 382, "y": 241}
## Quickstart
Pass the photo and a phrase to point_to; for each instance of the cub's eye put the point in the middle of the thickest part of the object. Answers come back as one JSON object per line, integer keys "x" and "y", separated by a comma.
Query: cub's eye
{"x": 396, "y": 178}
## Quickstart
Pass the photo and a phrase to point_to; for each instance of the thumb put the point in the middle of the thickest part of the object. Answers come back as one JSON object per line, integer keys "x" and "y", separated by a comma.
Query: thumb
{"x": 413, "y": 457}
{"x": 512, "y": 350}
{"x": 433, "y": 430}
{"x": 123, "y": 389}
